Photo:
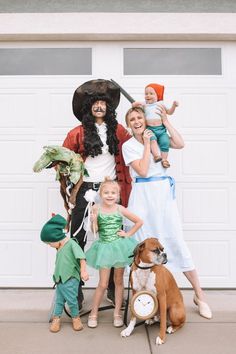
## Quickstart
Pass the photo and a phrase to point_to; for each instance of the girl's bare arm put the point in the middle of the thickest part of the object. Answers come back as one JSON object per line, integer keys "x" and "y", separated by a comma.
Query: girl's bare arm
{"x": 94, "y": 218}
{"x": 132, "y": 217}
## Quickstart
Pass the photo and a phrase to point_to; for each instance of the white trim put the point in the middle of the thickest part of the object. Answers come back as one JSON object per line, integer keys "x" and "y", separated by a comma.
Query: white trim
{"x": 118, "y": 26}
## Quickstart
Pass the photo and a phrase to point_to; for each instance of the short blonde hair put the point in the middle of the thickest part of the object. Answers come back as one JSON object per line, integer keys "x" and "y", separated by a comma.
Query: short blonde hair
{"x": 133, "y": 109}
{"x": 109, "y": 181}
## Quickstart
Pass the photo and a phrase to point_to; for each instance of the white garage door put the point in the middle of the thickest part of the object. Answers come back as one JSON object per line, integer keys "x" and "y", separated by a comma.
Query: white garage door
{"x": 36, "y": 111}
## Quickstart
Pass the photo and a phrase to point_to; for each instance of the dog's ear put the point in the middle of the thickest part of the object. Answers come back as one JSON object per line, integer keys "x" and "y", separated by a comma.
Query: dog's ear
{"x": 138, "y": 249}
{"x": 161, "y": 248}
{"x": 141, "y": 246}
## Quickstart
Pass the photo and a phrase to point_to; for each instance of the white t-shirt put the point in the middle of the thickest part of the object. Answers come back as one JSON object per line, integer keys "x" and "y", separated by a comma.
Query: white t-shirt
{"x": 133, "y": 150}
{"x": 103, "y": 165}
{"x": 151, "y": 109}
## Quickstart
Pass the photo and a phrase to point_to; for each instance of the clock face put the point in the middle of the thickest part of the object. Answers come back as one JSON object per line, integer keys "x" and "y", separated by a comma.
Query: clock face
{"x": 144, "y": 305}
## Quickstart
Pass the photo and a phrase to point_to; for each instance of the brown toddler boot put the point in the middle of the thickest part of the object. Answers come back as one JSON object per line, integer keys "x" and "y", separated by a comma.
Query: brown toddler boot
{"x": 157, "y": 158}
{"x": 55, "y": 325}
{"x": 165, "y": 163}
{"x": 77, "y": 324}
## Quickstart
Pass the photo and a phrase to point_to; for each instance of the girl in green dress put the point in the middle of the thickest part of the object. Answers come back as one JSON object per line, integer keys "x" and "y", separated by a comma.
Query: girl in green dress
{"x": 113, "y": 247}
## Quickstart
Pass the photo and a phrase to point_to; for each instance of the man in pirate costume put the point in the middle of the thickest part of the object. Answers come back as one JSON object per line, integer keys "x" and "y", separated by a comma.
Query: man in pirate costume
{"x": 98, "y": 140}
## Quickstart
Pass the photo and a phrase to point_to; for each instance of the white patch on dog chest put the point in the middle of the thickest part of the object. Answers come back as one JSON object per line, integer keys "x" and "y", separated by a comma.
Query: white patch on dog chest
{"x": 144, "y": 280}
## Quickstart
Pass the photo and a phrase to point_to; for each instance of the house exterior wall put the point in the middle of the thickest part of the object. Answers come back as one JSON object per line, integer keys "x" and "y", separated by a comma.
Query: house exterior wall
{"x": 37, "y": 111}
{"x": 207, "y": 6}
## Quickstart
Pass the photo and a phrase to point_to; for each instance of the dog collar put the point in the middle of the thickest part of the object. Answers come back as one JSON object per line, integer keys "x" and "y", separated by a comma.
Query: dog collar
{"x": 143, "y": 267}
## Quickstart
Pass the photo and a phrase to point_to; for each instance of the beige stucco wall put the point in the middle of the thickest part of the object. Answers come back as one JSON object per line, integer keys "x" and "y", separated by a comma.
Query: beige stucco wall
{"x": 118, "y": 26}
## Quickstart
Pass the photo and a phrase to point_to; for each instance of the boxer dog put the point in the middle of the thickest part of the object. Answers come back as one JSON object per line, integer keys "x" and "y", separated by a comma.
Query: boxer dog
{"x": 148, "y": 273}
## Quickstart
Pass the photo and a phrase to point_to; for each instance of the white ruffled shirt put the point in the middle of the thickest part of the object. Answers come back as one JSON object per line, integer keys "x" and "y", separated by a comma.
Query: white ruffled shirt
{"x": 103, "y": 165}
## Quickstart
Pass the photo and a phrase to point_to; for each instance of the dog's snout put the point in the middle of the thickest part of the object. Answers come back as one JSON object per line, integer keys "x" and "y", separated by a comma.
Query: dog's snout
{"x": 164, "y": 255}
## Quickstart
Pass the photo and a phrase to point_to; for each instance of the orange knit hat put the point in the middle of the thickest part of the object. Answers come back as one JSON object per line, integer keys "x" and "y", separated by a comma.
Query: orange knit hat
{"x": 159, "y": 89}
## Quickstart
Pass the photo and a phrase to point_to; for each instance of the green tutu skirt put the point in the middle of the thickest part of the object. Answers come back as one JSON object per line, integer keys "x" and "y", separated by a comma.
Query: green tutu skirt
{"x": 111, "y": 254}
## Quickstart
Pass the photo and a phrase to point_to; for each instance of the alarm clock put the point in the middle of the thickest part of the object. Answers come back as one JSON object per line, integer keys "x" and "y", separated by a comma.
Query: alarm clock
{"x": 144, "y": 305}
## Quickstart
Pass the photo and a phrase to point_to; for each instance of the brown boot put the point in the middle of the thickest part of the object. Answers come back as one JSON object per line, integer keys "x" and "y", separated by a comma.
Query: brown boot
{"x": 157, "y": 158}
{"x": 165, "y": 163}
{"x": 77, "y": 324}
{"x": 55, "y": 325}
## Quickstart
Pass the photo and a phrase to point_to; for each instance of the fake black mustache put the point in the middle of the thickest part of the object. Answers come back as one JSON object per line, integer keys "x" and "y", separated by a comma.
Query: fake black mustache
{"x": 99, "y": 109}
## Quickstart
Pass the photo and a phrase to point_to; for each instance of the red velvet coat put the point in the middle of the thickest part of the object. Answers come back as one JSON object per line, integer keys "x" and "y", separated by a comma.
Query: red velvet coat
{"x": 75, "y": 141}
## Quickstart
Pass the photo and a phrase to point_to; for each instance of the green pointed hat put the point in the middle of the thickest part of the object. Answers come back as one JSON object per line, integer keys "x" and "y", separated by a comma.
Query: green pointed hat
{"x": 54, "y": 229}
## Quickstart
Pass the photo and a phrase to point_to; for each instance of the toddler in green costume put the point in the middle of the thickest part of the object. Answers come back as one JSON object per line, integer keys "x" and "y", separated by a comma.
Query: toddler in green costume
{"x": 113, "y": 248}
{"x": 70, "y": 266}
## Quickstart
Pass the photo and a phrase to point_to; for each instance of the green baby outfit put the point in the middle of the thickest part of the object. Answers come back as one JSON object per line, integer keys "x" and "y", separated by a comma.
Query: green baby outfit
{"x": 110, "y": 250}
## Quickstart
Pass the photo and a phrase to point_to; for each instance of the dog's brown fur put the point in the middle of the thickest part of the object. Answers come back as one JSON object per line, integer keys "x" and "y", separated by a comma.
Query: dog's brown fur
{"x": 168, "y": 294}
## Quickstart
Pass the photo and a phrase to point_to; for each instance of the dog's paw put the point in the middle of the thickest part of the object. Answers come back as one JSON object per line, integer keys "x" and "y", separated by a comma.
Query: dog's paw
{"x": 126, "y": 332}
{"x": 170, "y": 330}
{"x": 159, "y": 341}
{"x": 152, "y": 320}
{"x": 156, "y": 318}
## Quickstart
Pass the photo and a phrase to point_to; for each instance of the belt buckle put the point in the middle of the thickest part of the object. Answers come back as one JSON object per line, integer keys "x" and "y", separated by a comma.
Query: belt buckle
{"x": 96, "y": 185}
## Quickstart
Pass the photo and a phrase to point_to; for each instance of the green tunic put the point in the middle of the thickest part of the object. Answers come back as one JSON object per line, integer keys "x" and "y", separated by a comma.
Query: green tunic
{"x": 67, "y": 263}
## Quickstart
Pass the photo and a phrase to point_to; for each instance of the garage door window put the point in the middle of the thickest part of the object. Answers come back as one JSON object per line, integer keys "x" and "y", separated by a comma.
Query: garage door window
{"x": 172, "y": 61}
{"x": 46, "y": 61}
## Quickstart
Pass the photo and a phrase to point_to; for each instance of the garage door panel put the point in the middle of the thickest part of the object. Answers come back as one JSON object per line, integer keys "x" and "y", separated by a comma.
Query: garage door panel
{"x": 211, "y": 266}
{"x": 61, "y": 115}
{"x": 55, "y": 202}
{"x": 18, "y": 107}
{"x": 23, "y": 206}
{"x": 23, "y": 259}
{"x": 17, "y": 157}
{"x": 229, "y": 68}
{"x": 203, "y": 110}
{"x": 207, "y": 158}
{"x": 19, "y": 201}
{"x": 201, "y": 157}
{"x": 213, "y": 255}
{"x": 207, "y": 206}
{"x": 230, "y": 111}
{"x": 38, "y": 112}
{"x": 18, "y": 266}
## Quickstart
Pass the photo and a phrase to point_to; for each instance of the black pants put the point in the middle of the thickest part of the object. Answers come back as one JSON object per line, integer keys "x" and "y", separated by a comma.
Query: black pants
{"x": 77, "y": 218}
{"x": 78, "y": 214}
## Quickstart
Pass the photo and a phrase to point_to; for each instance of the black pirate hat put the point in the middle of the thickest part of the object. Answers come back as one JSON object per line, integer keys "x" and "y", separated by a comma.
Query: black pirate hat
{"x": 100, "y": 89}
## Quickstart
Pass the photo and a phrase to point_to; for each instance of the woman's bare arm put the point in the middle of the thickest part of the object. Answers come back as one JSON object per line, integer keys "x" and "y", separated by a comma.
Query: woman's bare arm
{"x": 176, "y": 140}
{"x": 141, "y": 166}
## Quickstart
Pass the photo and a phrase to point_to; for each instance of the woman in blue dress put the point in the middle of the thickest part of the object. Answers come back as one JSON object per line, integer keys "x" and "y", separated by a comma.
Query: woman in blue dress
{"x": 153, "y": 199}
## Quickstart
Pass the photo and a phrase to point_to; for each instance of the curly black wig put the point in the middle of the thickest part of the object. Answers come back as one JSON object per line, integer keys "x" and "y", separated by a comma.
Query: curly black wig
{"x": 92, "y": 142}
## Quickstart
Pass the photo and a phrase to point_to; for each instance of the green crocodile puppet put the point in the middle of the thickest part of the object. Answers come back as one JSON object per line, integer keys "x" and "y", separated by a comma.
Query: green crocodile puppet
{"x": 69, "y": 171}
